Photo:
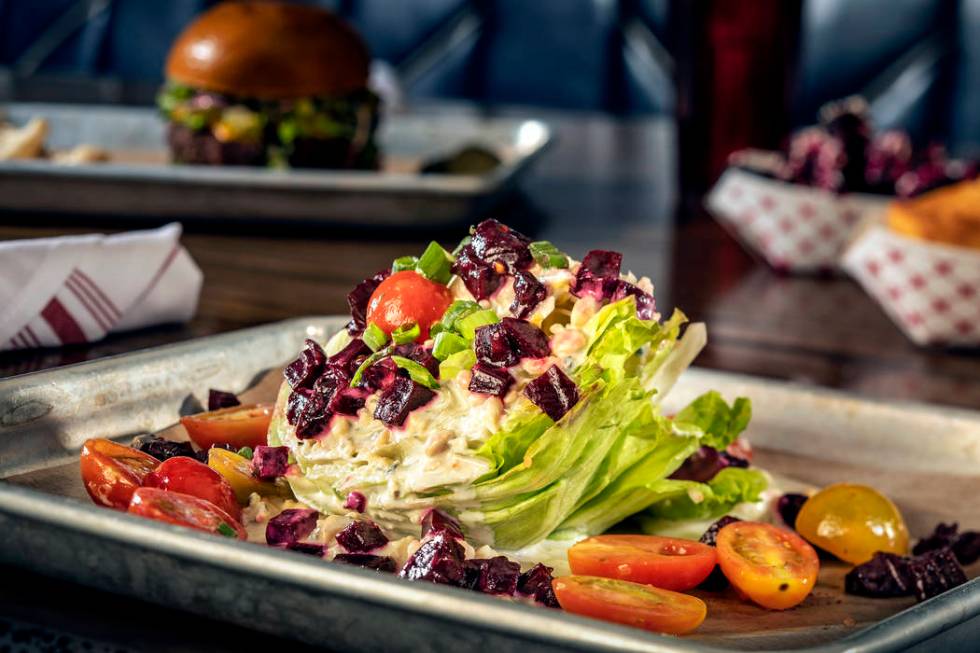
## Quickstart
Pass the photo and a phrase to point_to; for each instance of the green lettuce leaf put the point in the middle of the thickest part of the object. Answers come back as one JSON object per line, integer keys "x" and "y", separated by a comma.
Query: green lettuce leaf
{"x": 720, "y": 422}
{"x": 729, "y": 487}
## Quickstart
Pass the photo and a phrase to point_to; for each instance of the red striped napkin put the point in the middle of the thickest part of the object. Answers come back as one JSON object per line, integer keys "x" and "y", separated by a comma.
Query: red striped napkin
{"x": 57, "y": 291}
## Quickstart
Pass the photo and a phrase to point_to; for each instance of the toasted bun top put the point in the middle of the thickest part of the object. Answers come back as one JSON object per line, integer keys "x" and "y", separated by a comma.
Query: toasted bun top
{"x": 270, "y": 51}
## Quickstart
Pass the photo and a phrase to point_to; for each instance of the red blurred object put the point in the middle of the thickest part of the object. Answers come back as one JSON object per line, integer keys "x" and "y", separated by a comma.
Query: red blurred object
{"x": 735, "y": 63}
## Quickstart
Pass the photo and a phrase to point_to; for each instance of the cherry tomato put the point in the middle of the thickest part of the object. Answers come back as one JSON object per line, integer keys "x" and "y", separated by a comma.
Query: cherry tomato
{"x": 771, "y": 566}
{"x": 237, "y": 470}
{"x": 853, "y": 522}
{"x": 407, "y": 298}
{"x": 672, "y": 564}
{"x": 189, "y": 476}
{"x": 184, "y": 510}
{"x": 111, "y": 472}
{"x": 238, "y": 426}
{"x": 632, "y": 604}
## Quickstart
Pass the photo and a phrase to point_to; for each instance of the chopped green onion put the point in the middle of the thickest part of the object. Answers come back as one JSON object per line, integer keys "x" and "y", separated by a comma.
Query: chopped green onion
{"x": 406, "y": 334}
{"x": 246, "y": 452}
{"x": 435, "y": 264}
{"x": 447, "y": 344}
{"x": 461, "y": 360}
{"x": 227, "y": 530}
{"x": 368, "y": 362}
{"x": 547, "y": 255}
{"x": 468, "y": 325}
{"x": 404, "y": 263}
{"x": 417, "y": 372}
{"x": 458, "y": 309}
{"x": 374, "y": 337}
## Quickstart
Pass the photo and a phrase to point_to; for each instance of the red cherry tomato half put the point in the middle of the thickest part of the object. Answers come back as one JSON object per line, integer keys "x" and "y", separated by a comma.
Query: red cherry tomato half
{"x": 184, "y": 510}
{"x": 238, "y": 426}
{"x": 407, "y": 298}
{"x": 773, "y": 567}
{"x": 670, "y": 563}
{"x": 111, "y": 472}
{"x": 189, "y": 476}
{"x": 632, "y": 604}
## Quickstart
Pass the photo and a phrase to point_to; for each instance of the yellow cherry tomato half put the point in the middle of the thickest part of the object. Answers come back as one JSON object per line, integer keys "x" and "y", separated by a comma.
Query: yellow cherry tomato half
{"x": 853, "y": 522}
{"x": 773, "y": 567}
{"x": 237, "y": 470}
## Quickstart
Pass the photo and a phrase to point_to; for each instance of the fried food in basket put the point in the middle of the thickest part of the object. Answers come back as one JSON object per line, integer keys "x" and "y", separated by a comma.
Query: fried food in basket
{"x": 947, "y": 215}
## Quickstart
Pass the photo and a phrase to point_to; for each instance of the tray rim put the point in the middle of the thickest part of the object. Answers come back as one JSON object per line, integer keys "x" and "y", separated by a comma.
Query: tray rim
{"x": 910, "y": 626}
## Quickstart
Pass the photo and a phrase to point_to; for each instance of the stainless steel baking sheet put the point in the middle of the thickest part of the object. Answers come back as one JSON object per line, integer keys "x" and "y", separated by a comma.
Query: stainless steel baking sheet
{"x": 138, "y": 183}
{"x": 48, "y": 526}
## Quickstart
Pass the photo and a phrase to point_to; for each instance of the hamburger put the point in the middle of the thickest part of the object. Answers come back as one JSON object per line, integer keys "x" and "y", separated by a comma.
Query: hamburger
{"x": 263, "y": 83}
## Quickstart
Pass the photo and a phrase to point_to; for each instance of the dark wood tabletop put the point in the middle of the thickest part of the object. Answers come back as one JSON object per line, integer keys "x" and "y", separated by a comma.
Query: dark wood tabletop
{"x": 605, "y": 184}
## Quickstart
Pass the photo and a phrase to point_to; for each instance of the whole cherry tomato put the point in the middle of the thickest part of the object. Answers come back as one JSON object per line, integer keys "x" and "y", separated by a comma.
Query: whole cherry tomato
{"x": 632, "y": 604}
{"x": 407, "y": 298}
{"x": 111, "y": 472}
{"x": 238, "y": 426}
{"x": 189, "y": 476}
{"x": 185, "y": 510}
{"x": 672, "y": 564}
{"x": 773, "y": 567}
{"x": 853, "y": 522}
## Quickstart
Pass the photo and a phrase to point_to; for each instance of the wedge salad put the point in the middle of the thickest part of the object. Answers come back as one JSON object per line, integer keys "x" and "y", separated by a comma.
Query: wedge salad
{"x": 483, "y": 420}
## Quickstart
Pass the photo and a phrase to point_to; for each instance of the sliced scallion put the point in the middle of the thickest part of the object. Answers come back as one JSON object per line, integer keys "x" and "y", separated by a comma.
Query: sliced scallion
{"x": 468, "y": 325}
{"x": 447, "y": 344}
{"x": 435, "y": 264}
{"x": 404, "y": 263}
{"x": 226, "y": 530}
{"x": 368, "y": 362}
{"x": 374, "y": 337}
{"x": 405, "y": 334}
{"x": 456, "y": 363}
{"x": 547, "y": 255}
{"x": 246, "y": 452}
{"x": 416, "y": 372}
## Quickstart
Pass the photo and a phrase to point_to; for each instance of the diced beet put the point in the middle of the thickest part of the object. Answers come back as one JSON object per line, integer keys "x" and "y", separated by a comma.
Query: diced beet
{"x": 367, "y": 561}
{"x": 478, "y": 276}
{"x": 359, "y": 297}
{"x": 416, "y": 352}
{"x": 162, "y": 449}
{"x": 528, "y": 293}
{"x": 490, "y": 380}
{"x": 309, "y": 548}
{"x": 401, "y": 398}
{"x": 472, "y": 570}
{"x": 308, "y": 411}
{"x": 494, "y": 242}
{"x": 646, "y": 307}
{"x": 710, "y": 536}
{"x": 356, "y": 501}
{"x": 536, "y": 583}
{"x": 885, "y": 575}
{"x": 350, "y": 357}
{"x": 348, "y": 401}
{"x": 499, "y": 576}
{"x": 303, "y": 371}
{"x": 381, "y": 375}
{"x": 553, "y": 392}
{"x": 332, "y": 379}
{"x": 965, "y": 545}
{"x": 290, "y": 526}
{"x": 598, "y": 275}
{"x": 788, "y": 506}
{"x": 296, "y": 404}
{"x": 361, "y": 536}
{"x": 436, "y": 521}
{"x": 218, "y": 399}
{"x": 494, "y": 346}
{"x": 716, "y": 580}
{"x": 526, "y": 339}
{"x": 440, "y": 559}
{"x": 269, "y": 463}
{"x": 935, "y": 572}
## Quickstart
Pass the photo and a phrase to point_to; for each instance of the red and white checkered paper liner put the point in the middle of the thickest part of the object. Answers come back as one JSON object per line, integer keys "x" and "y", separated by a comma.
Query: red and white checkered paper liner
{"x": 930, "y": 290}
{"x": 794, "y": 228}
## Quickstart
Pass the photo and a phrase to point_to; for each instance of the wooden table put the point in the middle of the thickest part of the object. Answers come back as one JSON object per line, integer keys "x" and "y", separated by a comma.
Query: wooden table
{"x": 605, "y": 184}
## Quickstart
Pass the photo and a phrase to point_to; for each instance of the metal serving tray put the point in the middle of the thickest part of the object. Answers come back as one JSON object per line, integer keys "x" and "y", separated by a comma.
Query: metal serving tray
{"x": 138, "y": 182}
{"x": 49, "y": 527}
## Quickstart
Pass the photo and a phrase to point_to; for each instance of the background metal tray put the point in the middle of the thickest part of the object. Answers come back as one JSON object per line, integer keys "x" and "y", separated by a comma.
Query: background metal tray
{"x": 916, "y": 453}
{"x": 138, "y": 182}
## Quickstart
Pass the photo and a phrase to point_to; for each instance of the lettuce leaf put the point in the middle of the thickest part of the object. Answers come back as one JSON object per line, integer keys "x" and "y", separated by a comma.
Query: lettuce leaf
{"x": 729, "y": 487}
{"x": 720, "y": 422}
